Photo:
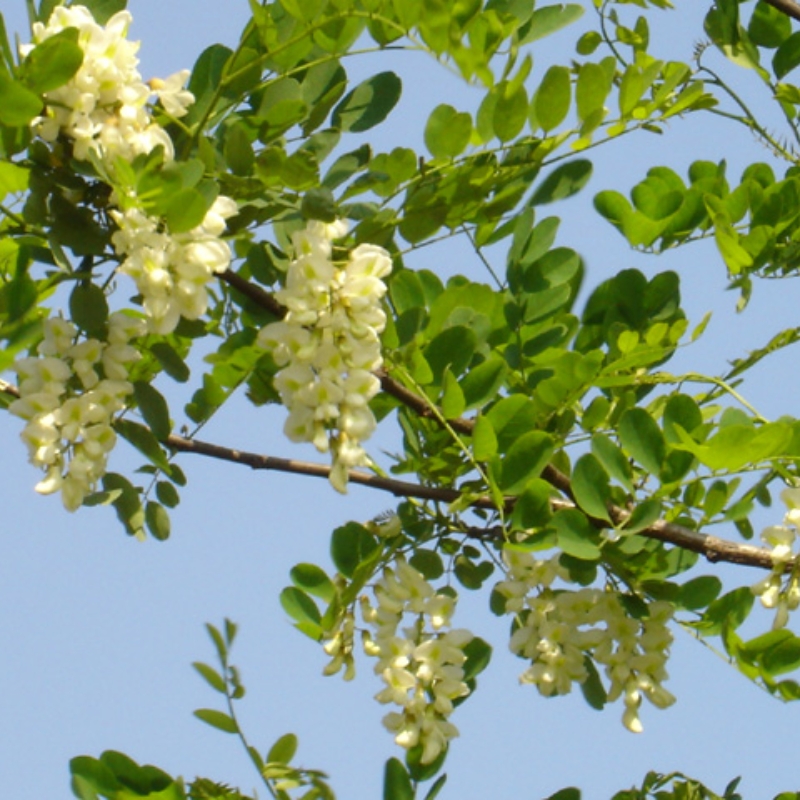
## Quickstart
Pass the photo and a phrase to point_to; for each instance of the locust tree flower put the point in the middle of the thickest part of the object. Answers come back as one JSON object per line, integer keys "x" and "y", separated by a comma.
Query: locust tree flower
{"x": 555, "y": 630}
{"x": 328, "y": 344}
{"x": 780, "y": 590}
{"x": 70, "y": 395}
{"x": 421, "y": 665}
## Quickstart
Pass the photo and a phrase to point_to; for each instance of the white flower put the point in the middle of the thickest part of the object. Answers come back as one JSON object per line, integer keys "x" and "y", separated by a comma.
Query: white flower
{"x": 328, "y": 343}
{"x": 172, "y": 94}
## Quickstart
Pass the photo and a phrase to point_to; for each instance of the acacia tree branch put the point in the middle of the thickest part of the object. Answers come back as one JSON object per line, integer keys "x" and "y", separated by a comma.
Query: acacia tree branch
{"x": 711, "y": 547}
{"x": 788, "y": 7}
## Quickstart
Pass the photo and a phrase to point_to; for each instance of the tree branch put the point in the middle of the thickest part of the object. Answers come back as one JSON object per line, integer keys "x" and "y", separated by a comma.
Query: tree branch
{"x": 254, "y": 292}
{"x": 711, "y": 547}
{"x": 788, "y": 7}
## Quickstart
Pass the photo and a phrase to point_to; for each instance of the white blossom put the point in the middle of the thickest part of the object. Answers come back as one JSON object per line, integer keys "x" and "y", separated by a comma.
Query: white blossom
{"x": 780, "y": 590}
{"x": 328, "y": 344}
{"x": 69, "y": 396}
{"x": 555, "y": 629}
{"x": 421, "y": 665}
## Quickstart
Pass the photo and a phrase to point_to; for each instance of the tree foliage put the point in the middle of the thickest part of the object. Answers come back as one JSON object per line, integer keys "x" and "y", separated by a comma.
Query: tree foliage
{"x": 548, "y": 458}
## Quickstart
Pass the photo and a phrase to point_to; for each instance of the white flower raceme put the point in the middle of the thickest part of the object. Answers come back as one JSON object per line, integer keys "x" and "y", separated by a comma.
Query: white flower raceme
{"x": 421, "y": 665}
{"x": 555, "y": 629}
{"x": 328, "y": 344}
{"x": 69, "y": 396}
{"x": 103, "y": 107}
{"x": 172, "y": 271}
{"x": 103, "y": 110}
{"x": 781, "y": 588}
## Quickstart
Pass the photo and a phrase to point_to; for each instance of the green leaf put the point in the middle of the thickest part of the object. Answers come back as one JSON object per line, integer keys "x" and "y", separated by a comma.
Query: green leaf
{"x": 313, "y": 579}
{"x": 532, "y": 510}
{"x": 479, "y": 654}
{"x": 88, "y": 309}
{"x": 157, "y": 520}
{"x": 453, "y": 404}
{"x": 613, "y": 460}
{"x": 428, "y": 563}
{"x": 167, "y": 494}
{"x": 575, "y": 534}
{"x": 368, "y": 104}
{"x": 644, "y": 515}
{"x": 510, "y": 110}
{"x": 552, "y": 99}
{"x": 593, "y": 692}
{"x": 154, "y": 409}
{"x": 53, "y": 62}
{"x": 447, "y": 131}
{"x": 549, "y": 19}
{"x": 170, "y": 361}
{"x": 564, "y": 181}
{"x": 642, "y": 438}
{"x": 216, "y": 719}
{"x": 768, "y": 27}
{"x": 782, "y": 657}
{"x": 571, "y": 793}
{"x": 351, "y": 544}
{"x": 210, "y": 676}
{"x": 319, "y": 204}
{"x": 524, "y": 460}
{"x": 185, "y": 210}
{"x": 144, "y": 441}
{"x": 591, "y": 90}
{"x": 786, "y": 57}
{"x": 482, "y": 383}
{"x": 18, "y": 104}
{"x": 437, "y": 787}
{"x": 590, "y": 485}
{"x": 484, "y": 441}
{"x": 699, "y": 592}
{"x": 127, "y": 502}
{"x": 730, "y": 611}
{"x": 284, "y": 750}
{"x": 397, "y": 782}
{"x": 303, "y": 610}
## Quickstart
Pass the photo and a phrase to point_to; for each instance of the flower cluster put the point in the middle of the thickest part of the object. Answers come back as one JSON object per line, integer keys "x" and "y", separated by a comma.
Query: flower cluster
{"x": 557, "y": 629}
{"x": 69, "y": 395}
{"x": 328, "y": 344}
{"x": 172, "y": 271}
{"x": 421, "y": 665}
{"x": 103, "y": 110}
{"x": 781, "y": 588}
{"x": 103, "y": 107}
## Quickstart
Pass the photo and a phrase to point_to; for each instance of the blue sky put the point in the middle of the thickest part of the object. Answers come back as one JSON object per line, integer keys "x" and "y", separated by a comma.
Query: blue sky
{"x": 99, "y": 630}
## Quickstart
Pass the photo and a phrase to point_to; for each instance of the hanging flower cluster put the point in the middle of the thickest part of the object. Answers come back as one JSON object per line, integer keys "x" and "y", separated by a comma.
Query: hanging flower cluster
{"x": 557, "y": 629}
{"x": 103, "y": 107}
{"x": 328, "y": 344}
{"x": 172, "y": 271}
{"x": 781, "y": 588}
{"x": 69, "y": 396}
{"x": 421, "y": 665}
{"x": 103, "y": 110}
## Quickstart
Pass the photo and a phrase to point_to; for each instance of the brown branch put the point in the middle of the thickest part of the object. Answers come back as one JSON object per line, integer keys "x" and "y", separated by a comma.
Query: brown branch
{"x": 264, "y": 462}
{"x": 713, "y": 548}
{"x": 254, "y": 292}
{"x": 788, "y": 7}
